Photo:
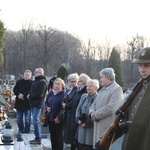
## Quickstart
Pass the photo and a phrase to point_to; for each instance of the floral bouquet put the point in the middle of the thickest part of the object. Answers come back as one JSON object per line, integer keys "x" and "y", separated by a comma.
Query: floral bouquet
{"x": 6, "y": 94}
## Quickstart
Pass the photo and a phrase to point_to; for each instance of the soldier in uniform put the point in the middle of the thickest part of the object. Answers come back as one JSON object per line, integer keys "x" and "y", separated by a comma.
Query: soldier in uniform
{"x": 138, "y": 135}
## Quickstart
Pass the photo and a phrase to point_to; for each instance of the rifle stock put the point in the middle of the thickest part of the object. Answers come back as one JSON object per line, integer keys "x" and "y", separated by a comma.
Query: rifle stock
{"x": 108, "y": 136}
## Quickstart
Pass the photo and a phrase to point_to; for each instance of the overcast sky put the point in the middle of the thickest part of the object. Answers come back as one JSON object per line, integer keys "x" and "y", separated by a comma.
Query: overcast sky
{"x": 95, "y": 19}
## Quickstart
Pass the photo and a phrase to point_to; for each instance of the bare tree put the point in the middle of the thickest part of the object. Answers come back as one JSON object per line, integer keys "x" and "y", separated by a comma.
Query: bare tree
{"x": 23, "y": 40}
{"x": 104, "y": 51}
{"x": 135, "y": 44}
{"x": 48, "y": 42}
{"x": 88, "y": 54}
{"x": 12, "y": 55}
{"x": 72, "y": 46}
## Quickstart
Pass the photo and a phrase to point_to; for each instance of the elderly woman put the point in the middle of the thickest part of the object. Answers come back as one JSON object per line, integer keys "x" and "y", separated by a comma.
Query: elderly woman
{"x": 67, "y": 104}
{"x": 54, "y": 107}
{"x": 83, "y": 78}
{"x": 85, "y": 129}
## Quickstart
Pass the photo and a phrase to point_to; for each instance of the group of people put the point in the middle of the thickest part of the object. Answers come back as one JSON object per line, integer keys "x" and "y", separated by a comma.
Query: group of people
{"x": 80, "y": 115}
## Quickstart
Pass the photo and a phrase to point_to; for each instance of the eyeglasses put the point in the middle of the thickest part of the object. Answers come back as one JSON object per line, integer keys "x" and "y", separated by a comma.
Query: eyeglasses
{"x": 79, "y": 81}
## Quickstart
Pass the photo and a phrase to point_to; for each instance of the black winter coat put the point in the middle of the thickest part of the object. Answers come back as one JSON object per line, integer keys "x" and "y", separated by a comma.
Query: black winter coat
{"x": 37, "y": 91}
{"x": 22, "y": 86}
{"x": 76, "y": 100}
{"x": 68, "y": 132}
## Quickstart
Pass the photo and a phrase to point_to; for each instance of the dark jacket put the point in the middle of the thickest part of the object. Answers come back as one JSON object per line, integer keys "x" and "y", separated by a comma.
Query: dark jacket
{"x": 76, "y": 100}
{"x": 37, "y": 91}
{"x": 22, "y": 86}
{"x": 69, "y": 134}
{"x": 54, "y": 101}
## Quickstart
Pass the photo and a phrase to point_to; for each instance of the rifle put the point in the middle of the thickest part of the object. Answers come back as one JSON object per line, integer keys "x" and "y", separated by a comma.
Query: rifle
{"x": 107, "y": 138}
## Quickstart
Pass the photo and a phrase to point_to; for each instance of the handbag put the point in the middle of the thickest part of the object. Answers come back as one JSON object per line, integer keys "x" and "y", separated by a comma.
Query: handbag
{"x": 83, "y": 118}
{"x": 44, "y": 119}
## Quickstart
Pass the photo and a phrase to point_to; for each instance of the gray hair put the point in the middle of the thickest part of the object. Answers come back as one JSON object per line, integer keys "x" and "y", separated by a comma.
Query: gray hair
{"x": 40, "y": 70}
{"x": 108, "y": 73}
{"x": 84, "y": 78}
{"x": 94, "y": 82}
{"x": 73, "y": 76}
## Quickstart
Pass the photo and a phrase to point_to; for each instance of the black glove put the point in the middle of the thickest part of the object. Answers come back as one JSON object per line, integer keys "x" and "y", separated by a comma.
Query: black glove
{"x": 97, "y": 144}
{"x": 124, "y": 126}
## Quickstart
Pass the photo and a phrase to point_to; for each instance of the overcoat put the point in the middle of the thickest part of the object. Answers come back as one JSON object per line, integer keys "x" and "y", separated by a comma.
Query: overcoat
{"x": 138, "y": 137}
{"x": 108, "y": 100}
{"x": 85, "y": 135}
{"x": 76, "y": 100}
{"x": 69, "y": 133}
{"x": 22, "y": 86}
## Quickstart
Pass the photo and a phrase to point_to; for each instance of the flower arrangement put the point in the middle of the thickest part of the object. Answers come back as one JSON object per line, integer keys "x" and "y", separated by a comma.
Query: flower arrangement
{"x": 6, "y": 94}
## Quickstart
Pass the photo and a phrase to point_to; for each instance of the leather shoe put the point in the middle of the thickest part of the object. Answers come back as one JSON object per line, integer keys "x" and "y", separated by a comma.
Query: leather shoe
{"x": 35, "y": 142}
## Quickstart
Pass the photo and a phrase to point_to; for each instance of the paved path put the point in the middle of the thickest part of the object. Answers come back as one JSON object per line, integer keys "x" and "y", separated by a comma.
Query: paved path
{"x": 45, "y": 131}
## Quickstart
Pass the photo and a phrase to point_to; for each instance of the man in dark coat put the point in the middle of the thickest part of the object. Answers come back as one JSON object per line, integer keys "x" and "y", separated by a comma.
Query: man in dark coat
{"x": 22, "y": 105}
{"x": 36, "y": 97}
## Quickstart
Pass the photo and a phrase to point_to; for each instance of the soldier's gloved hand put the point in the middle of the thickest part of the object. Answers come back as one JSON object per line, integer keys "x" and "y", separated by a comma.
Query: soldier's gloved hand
{"x": 97, "y": 145}
{"x": 124, "y": 126}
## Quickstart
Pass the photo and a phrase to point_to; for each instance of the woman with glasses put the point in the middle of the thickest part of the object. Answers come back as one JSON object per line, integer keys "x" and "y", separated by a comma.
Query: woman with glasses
{"x": 83, "y": 78}
{"x": 67, "y": 104}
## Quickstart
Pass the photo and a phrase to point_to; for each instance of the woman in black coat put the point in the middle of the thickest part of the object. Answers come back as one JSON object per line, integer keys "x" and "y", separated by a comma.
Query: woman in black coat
{"x": 67, "y": 104}
{"x": 83, "y": 78}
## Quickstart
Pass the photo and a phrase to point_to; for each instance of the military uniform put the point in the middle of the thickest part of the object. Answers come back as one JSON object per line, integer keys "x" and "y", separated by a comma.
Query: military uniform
{"x": 138, "y": 136}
